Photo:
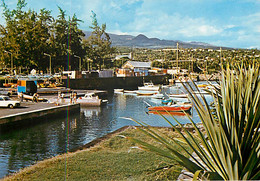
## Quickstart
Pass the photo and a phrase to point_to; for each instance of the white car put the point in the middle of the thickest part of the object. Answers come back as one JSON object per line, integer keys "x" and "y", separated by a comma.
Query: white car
{"x": 5, "y": 101}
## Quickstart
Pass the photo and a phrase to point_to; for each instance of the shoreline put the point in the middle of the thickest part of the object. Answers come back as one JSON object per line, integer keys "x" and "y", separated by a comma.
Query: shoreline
{"x": 87, "y": 147}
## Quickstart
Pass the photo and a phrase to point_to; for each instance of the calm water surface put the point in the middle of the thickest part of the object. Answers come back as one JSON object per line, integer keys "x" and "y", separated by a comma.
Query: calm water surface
{"x": 24, "y": 147}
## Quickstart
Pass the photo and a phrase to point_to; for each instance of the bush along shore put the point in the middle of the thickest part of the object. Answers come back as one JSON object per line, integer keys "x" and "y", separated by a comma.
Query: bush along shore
{"x": 108, "y": 158}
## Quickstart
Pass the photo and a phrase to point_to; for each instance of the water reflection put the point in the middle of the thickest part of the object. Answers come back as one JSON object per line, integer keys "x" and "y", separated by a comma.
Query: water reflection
{"x": 91, "y": 112}
{"x": 29, "y": 145}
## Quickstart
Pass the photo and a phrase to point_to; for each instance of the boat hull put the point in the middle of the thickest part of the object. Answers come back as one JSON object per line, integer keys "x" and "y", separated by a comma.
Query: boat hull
{"x": 155, "y": 88}
{"x": 83, "y": 102}
{"x": 146, "y": 93}
{"x": 178, "y": 95}
{"x": 118, "y": 90}
{"x": 169, "y": 113}
{"x": 170, "y": 108}
{"x": 130, "y": 91}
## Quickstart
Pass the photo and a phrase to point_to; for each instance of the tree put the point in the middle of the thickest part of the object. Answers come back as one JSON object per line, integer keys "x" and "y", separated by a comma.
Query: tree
{"x": 76, "y": 41}
{"x": 67, "y": 41}
{"x": 25, "y": 35}
{"x": 99, "y": 43}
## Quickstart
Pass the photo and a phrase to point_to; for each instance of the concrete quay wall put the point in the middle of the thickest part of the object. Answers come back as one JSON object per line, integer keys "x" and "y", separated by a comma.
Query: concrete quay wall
{"x": 35, "y": 115}
{"x": 108, "y": 83}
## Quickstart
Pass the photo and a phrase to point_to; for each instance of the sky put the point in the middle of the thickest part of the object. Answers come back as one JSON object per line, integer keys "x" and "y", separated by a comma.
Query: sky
{"x": 225, "y": 23}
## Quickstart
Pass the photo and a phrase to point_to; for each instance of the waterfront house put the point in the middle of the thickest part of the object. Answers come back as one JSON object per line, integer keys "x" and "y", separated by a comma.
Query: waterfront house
{"x": 134, "y": 68}
{"x": 72, "y": 74}
{"x": 157, "y": 71}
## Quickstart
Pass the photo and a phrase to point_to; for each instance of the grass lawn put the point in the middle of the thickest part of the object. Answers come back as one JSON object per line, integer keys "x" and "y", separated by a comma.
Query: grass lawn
{"x": 112, "y": 159}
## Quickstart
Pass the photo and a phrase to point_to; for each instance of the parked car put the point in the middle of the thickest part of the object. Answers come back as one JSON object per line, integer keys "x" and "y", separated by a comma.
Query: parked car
{"x": 5, "y": 101}
{"x": 8, "y": 92}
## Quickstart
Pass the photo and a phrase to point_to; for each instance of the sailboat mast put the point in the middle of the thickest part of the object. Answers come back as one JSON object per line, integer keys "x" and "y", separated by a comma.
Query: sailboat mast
{"x": 177, "y": 55}
{"x": 220, "y": 56}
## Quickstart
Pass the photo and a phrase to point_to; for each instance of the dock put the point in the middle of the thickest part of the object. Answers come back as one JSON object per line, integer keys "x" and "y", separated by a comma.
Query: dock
{"x": 53, "y": 90}
{"x": 34, "y": 111}
{"x": 47, "y": 91}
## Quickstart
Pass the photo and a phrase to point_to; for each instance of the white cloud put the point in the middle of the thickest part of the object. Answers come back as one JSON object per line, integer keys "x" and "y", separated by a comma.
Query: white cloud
{"x": 132, "y": 1}
{"x": 229, "y": 26}
{"x": 252, "y": 18}
{"x": 198, "y": 30}
{"x": 250, "y": 23}
{"x": 257, "y": 28}
{"x": 164, "y": 25}
{"x": 207, "y": 30}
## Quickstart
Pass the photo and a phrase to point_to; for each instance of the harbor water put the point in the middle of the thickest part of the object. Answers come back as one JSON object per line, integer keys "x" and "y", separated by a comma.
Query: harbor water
{"x": 24, "y": 147}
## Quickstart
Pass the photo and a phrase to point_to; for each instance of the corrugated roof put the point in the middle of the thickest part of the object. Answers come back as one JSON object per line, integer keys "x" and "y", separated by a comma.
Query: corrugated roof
{"x": 137, "y": 64}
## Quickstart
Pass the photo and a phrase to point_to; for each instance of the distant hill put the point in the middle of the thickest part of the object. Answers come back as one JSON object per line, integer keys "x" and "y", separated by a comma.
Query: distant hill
{"x": 142, "y": 41}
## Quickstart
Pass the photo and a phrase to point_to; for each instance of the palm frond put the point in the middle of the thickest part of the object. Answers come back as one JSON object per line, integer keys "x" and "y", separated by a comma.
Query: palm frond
{"x": 231, "y": 150}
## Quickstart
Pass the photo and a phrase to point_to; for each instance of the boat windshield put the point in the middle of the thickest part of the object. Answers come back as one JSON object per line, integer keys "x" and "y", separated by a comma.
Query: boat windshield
{"x": 6, "y": 98}
{"x": 89, "y": 95}
{"x": 148, "y": 84}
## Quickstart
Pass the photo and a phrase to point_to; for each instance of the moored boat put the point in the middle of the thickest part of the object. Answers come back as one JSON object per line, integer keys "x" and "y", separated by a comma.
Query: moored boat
{"x": 167, "y": 101}
{"x": 90, "y": 99}
{"x": 149, "y": 86}
{"x": 118, "y": 90}
{"x": 169, "y": 113}
{"x": 146, "y": 93}
{"x": 130, "y": 91}
{"x": 157, "y": 96}
{"x": 177, "y": 93}
{"x": 171, "y": 108}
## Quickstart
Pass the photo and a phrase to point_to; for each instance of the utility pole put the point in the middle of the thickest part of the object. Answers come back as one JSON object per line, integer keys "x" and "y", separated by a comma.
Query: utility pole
{"x": 177, "y": 56}
{"x": 192, "y": 64}
{"x": 88, "y": 61}
{"x": 79, "y": 61}
{"x": 164, "y": 58}
{"x": 220, "y": 56}
{"x": 50, "y": 60}
{"x": 12, "y": 62}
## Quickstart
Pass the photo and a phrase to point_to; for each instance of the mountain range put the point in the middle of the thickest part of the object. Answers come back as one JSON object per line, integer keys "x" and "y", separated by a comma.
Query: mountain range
{"x": 142, "y": 41}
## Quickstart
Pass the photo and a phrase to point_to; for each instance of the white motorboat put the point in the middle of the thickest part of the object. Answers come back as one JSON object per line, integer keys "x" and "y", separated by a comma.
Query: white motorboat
{"x": 149, "y": 86}
{"x": 177, "y": 93}
{"x": 130, "y": 91}
{"x": 146, "y": 93}
{"x": 157, "y": 96}
{"x": 90, "y": 99}
{"x": 118, "y": 90}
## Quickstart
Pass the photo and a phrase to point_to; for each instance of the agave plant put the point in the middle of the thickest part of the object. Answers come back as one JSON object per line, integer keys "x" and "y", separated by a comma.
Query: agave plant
{"x": 231, "y": 148}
